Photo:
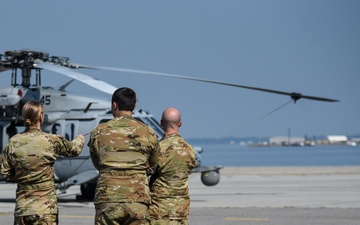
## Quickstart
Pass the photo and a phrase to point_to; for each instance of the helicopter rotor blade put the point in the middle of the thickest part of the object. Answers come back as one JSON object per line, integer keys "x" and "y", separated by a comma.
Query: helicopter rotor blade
{"x": 97, "y": 84}
{"x": 295, "y": 96}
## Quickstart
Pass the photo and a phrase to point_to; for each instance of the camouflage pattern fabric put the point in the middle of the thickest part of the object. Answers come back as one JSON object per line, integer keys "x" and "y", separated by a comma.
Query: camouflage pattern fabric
{"x": 169, "y": 191}
{"x": 121, "y": 213}
{"x": 37, "y": 219}
{"x": 122, "y": 149}
{"x": 28, "y": 160}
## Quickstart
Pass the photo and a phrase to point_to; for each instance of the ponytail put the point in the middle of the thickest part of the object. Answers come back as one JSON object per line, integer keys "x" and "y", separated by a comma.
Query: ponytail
{"x": 32, "y": 111}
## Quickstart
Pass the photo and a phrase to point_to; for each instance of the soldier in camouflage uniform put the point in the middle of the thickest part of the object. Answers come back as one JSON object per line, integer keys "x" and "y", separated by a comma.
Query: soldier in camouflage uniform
{"x": 123, "y": 150}
{"x": 28, "y": 160}
{"x": 169, "y": 185}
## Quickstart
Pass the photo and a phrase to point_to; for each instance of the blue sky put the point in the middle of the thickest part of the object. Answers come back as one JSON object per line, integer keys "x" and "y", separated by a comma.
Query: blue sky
{"x": 311, "y": 47}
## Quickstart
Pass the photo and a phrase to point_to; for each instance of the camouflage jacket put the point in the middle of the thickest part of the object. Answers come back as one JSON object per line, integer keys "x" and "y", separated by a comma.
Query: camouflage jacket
{"x": 122, "y": 149}
{"x": 169, "y": 191}
{"x": 28, "y": 160}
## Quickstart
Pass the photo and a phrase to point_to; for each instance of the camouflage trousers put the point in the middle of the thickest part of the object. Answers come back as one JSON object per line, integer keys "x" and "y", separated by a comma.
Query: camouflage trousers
{"x": 121, "y": 214}
{"x": 168, "y": 222}
{"x": 37, "y": 219}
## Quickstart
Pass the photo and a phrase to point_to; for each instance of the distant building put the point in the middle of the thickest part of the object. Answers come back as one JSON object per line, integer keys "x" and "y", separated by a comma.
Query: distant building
{"x": 333, "y": 139}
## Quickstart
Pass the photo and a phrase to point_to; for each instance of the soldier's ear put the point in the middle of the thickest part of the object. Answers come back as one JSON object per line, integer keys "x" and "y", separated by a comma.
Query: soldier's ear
{"x": 114, "y": 105}
{"x": 41, "y": 117}
{"x": 180, "y": 123}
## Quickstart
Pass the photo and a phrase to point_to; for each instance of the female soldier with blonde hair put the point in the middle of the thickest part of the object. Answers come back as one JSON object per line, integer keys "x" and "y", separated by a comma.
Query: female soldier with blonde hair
{"x": 28, "y": 160}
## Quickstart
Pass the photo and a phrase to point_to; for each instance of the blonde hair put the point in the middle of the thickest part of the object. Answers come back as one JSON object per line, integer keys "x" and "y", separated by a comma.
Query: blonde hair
{"x": 31, "y": 112}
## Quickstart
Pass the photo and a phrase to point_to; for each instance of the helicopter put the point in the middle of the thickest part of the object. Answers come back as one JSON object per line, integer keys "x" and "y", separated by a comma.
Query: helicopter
{"x": 71, "y": 114}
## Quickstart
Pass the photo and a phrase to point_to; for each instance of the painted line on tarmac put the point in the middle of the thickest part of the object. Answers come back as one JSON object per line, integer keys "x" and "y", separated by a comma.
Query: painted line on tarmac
{"x": 248, "y": 219}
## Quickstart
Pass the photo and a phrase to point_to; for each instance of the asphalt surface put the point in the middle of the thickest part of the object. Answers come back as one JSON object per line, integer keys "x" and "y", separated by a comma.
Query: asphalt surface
{"x": 245, "y": 195}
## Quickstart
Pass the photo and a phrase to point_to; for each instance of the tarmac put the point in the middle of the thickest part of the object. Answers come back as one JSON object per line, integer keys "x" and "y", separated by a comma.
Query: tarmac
{"x": 245, "y": 195}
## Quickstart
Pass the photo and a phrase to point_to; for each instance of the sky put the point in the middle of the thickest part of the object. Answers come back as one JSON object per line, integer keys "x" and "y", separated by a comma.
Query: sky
{"x": 309, "y": 46}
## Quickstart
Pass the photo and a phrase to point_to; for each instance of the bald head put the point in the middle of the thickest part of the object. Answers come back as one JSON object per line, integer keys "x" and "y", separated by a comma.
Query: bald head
{"x": 171, "y": 120}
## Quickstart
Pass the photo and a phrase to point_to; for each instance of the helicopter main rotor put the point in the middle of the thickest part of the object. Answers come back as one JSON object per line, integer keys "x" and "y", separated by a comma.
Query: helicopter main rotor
{"x": 25, "y": 60}
{"x": 28, "y": 60}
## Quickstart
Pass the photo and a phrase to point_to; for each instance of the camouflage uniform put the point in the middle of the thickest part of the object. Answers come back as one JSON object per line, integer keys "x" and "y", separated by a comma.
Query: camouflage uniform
{"x": 28, "y": 160}
{"x": 123, "y": 151}
{"x": 169, "y": 186}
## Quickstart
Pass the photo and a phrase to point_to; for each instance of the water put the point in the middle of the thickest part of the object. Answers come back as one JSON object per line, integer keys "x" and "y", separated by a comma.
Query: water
{"x": 237, "y": 155}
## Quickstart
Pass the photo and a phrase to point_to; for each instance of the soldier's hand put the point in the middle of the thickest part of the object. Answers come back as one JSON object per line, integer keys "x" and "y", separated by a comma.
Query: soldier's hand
{"x": 82, "y": 137}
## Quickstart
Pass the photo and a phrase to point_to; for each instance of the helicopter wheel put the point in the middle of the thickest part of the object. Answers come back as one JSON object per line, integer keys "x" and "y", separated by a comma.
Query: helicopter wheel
{"x": 88, "y": 191}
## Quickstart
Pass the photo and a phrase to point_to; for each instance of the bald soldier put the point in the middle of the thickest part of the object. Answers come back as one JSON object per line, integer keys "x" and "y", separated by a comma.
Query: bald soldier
{"x": 124, "y": 151}
{"x": 169, "y": 184}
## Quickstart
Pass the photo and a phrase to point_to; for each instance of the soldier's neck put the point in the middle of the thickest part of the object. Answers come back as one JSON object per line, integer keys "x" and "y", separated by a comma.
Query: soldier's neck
{"x": 123, "y": 113}
{"x": 171, "y": 131}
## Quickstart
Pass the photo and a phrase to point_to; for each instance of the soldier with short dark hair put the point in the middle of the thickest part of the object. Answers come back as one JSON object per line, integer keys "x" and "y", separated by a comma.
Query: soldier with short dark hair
{"x": 28, "y": 160}
{"x": 169, "y": 184}
{"x": 124, "y": 151}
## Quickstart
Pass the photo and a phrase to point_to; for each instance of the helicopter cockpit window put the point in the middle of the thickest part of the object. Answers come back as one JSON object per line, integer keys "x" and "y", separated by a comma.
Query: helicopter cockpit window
{"x": 69, "y": 132}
